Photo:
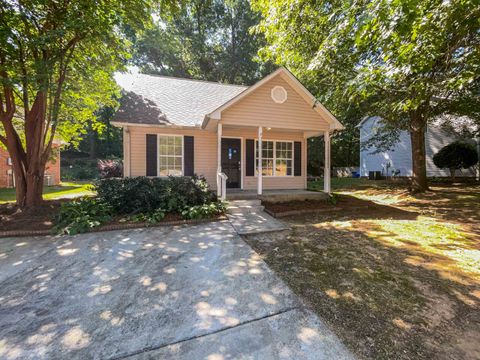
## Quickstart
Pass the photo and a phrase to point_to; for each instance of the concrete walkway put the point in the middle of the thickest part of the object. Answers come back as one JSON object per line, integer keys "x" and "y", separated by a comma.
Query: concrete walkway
{"x": 247, "y": 217}
{"x": 186, "y": 292}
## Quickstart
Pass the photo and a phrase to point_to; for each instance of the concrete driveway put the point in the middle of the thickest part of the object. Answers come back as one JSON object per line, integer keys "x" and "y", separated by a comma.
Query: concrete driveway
{"x": 188, "y": 292}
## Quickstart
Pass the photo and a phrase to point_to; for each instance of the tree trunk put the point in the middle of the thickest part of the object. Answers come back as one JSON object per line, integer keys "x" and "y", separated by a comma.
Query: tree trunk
{"x": 452, "y": 173}
{"x": 419, "y": 166}
{"x": 34, "y": 192}
{"x": 28, "y": 185}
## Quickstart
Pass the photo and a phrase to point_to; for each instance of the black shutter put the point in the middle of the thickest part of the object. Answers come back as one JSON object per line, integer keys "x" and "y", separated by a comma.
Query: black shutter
{"x": 152, "y": 155}
{"x": 297, "y": 158}
{"x": 188, "y": 156}
{"x": 250, "y": 158}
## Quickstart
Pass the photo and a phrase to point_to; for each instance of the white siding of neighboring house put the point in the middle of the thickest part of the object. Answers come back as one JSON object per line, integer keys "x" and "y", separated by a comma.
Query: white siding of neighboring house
{"x": 400, "y": 155}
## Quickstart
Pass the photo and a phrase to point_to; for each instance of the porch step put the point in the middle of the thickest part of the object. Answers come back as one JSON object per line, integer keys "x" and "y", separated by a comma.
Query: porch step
{"x": 244, "y": 206}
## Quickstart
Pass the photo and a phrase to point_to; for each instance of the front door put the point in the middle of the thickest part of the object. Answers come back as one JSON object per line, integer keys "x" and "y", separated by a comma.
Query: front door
{"x": 231, "y": 161}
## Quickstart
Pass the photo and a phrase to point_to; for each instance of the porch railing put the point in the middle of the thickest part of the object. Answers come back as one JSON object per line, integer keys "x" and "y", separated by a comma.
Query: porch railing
{"x": 222, "y": 185}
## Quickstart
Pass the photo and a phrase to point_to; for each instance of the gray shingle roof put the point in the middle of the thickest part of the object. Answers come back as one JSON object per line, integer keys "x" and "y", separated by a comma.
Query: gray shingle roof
{"x": 152, "y": 99}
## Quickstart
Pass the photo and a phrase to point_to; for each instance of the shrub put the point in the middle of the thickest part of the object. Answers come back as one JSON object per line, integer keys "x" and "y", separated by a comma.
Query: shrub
{"x": 332, "y": 199}
{"x": 152, "y": 218}
{"x": 455, "y": 156}
{"x": 110, "y": 168}
{"x": 203, "y": 211}
{"x": 80, "y": 169}
{"x": 81, "y": 215}
{"x": 145, "y": 195}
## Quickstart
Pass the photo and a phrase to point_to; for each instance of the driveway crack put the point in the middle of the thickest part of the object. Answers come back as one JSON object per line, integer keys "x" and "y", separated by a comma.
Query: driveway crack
{"x": 246, "y": 322}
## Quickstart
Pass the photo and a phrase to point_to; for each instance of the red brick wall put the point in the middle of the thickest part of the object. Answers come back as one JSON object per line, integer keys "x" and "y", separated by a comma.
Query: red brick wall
{"x": 52, "y": 168}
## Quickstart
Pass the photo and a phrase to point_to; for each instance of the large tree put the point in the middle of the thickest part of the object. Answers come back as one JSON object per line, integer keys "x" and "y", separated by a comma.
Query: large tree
{"x": 409, "y": 60}
{"x": 205, "y": 39}
{"x": 57, "y": 59}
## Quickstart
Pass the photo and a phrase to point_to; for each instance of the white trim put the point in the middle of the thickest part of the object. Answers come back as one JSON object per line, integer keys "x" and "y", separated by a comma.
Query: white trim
{"x": 158, "y": 153}
{"x": 326, "y": 171}
{"x": 242, "y": 156}
{"x": 275, "y": 157}
{"x": 129, "y": 124}
{"x": 293, "y": 81}
{"x": 260, "y": 160}
{"x": 284, "y": 93}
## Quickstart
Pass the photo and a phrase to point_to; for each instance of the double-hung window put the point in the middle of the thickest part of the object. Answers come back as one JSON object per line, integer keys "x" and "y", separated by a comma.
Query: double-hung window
{"x": 170, "y": 155}
{"x": 283, "y": 158}
{"x": 277, "y": 158}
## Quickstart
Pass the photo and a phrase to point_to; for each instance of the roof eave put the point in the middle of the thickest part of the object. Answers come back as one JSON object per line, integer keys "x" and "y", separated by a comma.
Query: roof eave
{"x": 126, "y": 123}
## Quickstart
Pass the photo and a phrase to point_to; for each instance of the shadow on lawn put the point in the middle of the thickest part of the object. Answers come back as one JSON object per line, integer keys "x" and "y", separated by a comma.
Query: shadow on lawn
{"x": 386, "y": 296}
{"x": 455, "y": 203}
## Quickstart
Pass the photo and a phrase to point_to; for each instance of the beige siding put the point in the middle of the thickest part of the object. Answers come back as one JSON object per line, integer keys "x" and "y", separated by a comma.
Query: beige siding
{"x": 287, "y": 182}
{"x": 258, "y": 109}
{"x": 206, "y": 154}
{"x": 205, "y": 150}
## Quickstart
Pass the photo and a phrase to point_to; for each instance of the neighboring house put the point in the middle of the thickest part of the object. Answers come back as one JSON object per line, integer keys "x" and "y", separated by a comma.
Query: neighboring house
{"x": 400, "y": 156}
{"x": 175, "y": 126}
{"x": 52, "y": 170}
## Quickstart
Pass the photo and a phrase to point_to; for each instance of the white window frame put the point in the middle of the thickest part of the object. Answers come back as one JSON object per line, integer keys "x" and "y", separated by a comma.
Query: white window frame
{"x": 158, "y": 154}
{"x": 275, "y": 158}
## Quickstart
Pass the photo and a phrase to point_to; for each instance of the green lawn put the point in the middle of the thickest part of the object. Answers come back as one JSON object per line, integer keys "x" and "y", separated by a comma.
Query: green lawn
{"x": 65, "y": 189}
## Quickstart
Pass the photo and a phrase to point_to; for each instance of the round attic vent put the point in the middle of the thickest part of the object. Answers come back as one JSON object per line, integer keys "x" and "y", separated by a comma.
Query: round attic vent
{"x": 279, "y": 94}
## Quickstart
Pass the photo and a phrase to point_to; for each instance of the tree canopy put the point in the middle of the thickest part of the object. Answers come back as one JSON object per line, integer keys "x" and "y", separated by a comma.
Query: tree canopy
{"x": 406, "y": 61}
{"x": 455, "y": 156}
{"x": 207, "y": 40}
{"x": 57, "y": 59}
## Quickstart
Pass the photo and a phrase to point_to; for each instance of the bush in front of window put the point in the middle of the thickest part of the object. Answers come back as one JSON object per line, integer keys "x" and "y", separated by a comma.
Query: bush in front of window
{"x": 135, "y": 195}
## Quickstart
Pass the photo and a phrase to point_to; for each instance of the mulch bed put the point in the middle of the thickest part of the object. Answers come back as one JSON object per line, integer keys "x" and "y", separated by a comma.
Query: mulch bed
{"x": 344, "y": 202}
{"x": 38, "y": 221}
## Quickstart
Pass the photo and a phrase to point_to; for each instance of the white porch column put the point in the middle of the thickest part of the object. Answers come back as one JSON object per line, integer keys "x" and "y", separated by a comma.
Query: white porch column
{"x": 219, "y": 158}
{"x": 259, "y": 175}
{"x": 326, "y": 171}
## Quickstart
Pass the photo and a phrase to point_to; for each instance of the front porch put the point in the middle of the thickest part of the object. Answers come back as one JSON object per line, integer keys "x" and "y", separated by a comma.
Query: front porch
{"x": 280, "y": 195}
{"x": 278, "y": 172}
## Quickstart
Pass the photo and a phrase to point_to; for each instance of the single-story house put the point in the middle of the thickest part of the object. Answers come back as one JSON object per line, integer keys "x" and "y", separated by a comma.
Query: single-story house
{"x": 399, "y": 157}
{"x": 7, "y": 180}
{"x": 178, "y": 127}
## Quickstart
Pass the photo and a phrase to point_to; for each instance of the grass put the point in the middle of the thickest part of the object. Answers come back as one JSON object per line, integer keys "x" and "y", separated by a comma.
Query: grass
{"x": 399, "y": 280}
{"x": 65, "y": 189}
{"x": 347, "y": 183}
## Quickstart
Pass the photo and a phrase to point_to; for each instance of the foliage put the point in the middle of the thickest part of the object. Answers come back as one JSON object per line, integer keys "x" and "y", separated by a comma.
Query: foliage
{"x": 99, "y": 138}
{"x": 208, "y": 40}
{"x": 151, "y": 218}
{"x": 79, "y": 169}
{"x": 332, "y": 199}
{"x": 110, "y": 168}
{"x": 455, "y": 156}
{"x": 405, "y": 61}
{"x": 204, "y": 210}
{"x": 57, "y": 62}
{"x": 81, "y": 215}
{"x": 145, "y": 195}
